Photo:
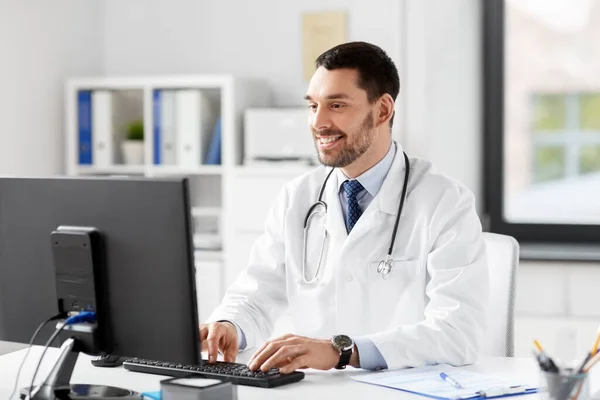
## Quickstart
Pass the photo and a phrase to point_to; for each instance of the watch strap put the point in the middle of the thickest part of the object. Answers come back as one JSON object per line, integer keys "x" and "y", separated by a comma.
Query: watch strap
{"x": 345, "y": 356}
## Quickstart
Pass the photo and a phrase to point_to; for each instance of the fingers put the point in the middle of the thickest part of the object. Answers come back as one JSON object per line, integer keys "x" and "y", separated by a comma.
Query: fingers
{"x": 203, "y": 332}
{"x": 203, "y": 336}
{"x": 297, "y": 363}
{"x": 266, "y": 351}
{"x": 230, "y": 353}
{"x": 256, "y": 353}
{"x": 287, "y": 336}
{"x": 282, "y": 357}
{"x": 218, "y": 336}
{"x": 212, "y": 341}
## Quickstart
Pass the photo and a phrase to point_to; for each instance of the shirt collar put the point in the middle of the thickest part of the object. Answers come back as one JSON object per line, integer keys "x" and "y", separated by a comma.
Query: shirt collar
{"x": 373, "y": 178}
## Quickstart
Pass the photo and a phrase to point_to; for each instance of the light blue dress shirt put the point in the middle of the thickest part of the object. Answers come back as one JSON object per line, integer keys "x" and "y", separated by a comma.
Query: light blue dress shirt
{"x": 371, "y": 180}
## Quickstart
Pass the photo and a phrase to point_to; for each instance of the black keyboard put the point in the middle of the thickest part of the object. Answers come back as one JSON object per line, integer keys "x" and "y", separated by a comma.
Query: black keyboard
{"x": 238, "y": 374}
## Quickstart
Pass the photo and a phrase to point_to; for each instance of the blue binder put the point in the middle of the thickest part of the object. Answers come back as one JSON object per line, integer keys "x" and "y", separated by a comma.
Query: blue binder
{"x": 84, "y": 122}
{"x": 156, "y": 98}
{"x": 213, "y": 155}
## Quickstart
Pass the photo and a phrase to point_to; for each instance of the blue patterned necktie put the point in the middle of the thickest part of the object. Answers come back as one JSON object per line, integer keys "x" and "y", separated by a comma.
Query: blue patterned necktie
{"x": 352, "y": 188}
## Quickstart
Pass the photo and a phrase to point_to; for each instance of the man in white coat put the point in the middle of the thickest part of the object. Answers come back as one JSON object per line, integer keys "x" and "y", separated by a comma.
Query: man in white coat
{"x": 430, "y": 308}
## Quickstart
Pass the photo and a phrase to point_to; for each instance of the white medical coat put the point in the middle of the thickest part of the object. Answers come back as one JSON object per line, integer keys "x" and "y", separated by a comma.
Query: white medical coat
{"x": 430, "y": 310}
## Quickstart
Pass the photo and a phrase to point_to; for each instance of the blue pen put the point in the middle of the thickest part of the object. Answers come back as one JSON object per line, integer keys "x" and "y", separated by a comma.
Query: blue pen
{"x": 450, "y": 381}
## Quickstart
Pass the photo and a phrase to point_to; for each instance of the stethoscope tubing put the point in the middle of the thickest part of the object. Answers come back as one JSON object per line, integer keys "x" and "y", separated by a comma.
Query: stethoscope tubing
{"x": 384, "y": 267}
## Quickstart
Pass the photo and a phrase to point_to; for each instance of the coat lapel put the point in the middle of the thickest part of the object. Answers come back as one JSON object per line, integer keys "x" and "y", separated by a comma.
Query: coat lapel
{"x": 388, "y": 198}
{"x": 336, "y": 227}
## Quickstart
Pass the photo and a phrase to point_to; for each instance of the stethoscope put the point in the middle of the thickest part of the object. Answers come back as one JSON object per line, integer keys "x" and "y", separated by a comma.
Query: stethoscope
{"x": 320, "y": 209}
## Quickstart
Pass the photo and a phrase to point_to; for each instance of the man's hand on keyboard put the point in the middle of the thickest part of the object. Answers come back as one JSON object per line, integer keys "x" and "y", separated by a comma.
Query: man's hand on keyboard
{"x": 291, "y": 352}
{"x": 219, "y": 337}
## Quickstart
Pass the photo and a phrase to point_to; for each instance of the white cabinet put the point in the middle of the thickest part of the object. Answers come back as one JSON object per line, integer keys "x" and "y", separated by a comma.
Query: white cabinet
{"x": 556, "y": 304}
{"x": 564, "y": 338}
{"x": 250, "y": 192}
{"x": 253, "y": 195}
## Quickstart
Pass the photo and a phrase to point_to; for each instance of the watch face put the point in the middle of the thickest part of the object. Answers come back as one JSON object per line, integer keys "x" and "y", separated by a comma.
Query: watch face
{"x": 342, "y": 342}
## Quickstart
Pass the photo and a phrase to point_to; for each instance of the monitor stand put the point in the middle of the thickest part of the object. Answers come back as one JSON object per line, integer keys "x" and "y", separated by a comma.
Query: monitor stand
{"x": 57, "y": 385}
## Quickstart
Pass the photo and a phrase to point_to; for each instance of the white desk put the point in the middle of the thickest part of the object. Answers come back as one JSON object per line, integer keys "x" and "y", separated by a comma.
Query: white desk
{"x": 316, "y": 384}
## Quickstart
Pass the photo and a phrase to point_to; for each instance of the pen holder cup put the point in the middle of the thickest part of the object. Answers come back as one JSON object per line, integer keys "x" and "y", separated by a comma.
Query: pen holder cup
{"x": 566, "y": 387}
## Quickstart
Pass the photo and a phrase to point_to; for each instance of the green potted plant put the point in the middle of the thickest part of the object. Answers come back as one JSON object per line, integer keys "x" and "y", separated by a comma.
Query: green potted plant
{"x": 133, "y": 145}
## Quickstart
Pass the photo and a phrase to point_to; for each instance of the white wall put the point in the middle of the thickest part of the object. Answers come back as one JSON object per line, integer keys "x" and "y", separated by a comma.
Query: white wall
{"x": 441, "y": 98}
{"x": 42, "y": 43}
{"x": 434, "y": 43}
{"x": 259, "y": 38}
{"x": 46, "y": 42}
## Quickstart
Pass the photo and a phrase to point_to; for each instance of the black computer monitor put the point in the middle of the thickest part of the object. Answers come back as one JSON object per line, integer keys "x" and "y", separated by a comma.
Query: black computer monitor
{"x": 145, "y": 225}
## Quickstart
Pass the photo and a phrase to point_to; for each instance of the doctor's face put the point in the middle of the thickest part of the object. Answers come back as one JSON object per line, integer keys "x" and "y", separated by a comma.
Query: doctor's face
{"x": 340, "y": 116}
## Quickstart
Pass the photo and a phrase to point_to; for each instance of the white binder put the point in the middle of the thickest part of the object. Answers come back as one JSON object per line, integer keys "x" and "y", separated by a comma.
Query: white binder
{"x": 193, "y": 120}
{"x": 103, "y": 150}
{"x": 168, "y": 134}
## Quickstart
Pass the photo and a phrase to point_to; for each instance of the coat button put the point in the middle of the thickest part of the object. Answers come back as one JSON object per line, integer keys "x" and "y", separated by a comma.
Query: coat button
{"x": 348, "y": 277}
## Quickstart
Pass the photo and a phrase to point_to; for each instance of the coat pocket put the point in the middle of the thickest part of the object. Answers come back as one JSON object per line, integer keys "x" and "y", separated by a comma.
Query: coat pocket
{"x": 387, "y": 296}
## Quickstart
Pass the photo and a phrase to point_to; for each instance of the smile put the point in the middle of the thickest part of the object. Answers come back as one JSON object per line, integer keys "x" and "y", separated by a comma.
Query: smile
{"x": 328, "y": 141}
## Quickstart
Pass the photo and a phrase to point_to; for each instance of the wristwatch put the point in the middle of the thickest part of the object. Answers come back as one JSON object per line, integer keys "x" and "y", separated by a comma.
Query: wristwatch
{"x": 345, "y": 345}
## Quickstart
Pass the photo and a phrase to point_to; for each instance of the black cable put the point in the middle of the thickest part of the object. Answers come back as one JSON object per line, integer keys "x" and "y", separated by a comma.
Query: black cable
{"x": 84, "y": 316}
{"x": 401, "y": 206}
{"x": 48, "y": 343}
{"x": 37, "y": 331}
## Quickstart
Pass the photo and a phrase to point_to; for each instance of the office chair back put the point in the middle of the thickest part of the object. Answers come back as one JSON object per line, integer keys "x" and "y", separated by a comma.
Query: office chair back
{"x": 503, "y": 261}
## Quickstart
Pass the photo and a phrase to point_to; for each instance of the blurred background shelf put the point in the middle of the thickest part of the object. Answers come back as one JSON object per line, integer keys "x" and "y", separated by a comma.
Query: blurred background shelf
{"x": 198, "y": 212}
{"x": 180, "y": 126}
{"x": 208, "y": 255}
{"x": 273, "y": 169}
{"x": 110, "y": 170}
{"x": 156, "y": 170}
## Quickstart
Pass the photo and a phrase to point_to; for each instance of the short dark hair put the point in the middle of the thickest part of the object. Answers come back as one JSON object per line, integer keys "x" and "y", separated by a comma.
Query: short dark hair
{"x": 376, "y": 70}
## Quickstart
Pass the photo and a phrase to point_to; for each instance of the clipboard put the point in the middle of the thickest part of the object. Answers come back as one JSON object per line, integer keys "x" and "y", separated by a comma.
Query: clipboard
{"x": 506, "y": 392}
{"x": 426, "y": 381}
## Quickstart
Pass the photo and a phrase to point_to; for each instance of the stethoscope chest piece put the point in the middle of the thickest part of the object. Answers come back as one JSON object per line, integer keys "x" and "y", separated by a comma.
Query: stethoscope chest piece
{"x": 385, "y": 267}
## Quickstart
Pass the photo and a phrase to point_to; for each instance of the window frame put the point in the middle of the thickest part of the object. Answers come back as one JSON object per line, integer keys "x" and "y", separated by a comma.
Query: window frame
{"x": 493, "y": 30}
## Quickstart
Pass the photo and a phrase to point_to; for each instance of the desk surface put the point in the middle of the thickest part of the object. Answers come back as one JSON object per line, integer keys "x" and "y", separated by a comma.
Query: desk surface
{"x": 316, "y": 384}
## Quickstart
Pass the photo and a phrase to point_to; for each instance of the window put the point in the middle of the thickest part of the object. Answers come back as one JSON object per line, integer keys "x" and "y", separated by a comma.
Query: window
{"x": 566, "y": 136}
{"x": 542, "y": 119}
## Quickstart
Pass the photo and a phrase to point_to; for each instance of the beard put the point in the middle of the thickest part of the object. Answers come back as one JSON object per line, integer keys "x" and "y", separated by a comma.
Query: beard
{"x": 339, "y": 158}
